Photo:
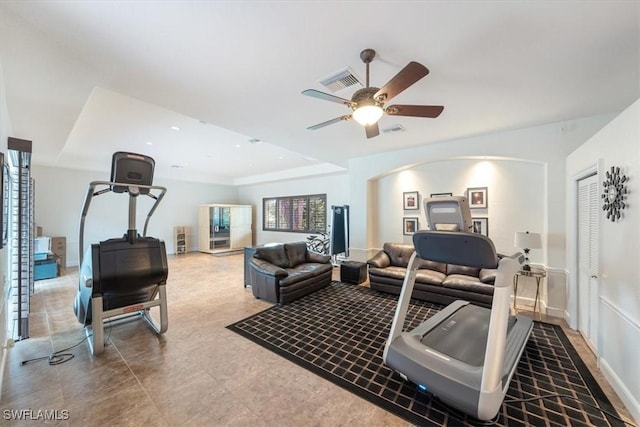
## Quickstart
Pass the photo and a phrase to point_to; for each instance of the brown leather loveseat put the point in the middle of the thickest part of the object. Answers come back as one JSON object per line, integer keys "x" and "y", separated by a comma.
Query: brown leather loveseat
{"x": 283, "y": 273}
{"x": 435, "y": 282}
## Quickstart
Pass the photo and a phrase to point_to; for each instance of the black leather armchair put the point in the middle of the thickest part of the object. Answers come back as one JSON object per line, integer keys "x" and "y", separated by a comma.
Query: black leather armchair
{"x": 283, "y": 273}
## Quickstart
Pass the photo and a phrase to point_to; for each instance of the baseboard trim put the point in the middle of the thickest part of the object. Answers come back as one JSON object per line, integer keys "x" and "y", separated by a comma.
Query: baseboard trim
{"x": 556, "y": 312}
{"x": 567, "y": 318}
{"x": 630, "y": 402}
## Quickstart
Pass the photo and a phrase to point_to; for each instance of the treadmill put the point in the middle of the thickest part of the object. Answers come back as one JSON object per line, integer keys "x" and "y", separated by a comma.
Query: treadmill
{"x": 124, "y": 276}
{"x": 465, "y": 354}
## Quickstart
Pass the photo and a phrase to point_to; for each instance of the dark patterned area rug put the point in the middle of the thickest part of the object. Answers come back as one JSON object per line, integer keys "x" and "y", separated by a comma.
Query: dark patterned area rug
{"x": 339, "y": 333}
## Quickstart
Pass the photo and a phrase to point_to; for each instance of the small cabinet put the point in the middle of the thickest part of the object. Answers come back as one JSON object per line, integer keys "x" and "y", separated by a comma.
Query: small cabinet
{"x": 181, "y": 239}
{"x": 224, "y": 228}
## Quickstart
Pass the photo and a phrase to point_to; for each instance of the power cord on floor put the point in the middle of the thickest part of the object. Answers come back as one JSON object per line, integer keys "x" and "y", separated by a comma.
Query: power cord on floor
{"x": 567, "y": 396}
{"x": 59, "y": 357}
{"x": 494, "y": 421}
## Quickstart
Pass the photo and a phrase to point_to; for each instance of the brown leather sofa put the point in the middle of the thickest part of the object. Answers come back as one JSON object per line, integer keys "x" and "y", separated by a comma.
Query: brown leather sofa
{"x": 435, "y": 281}
{"x": 283, "y": 273}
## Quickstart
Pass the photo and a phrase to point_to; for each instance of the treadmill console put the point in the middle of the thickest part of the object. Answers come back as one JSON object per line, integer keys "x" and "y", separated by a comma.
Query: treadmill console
{"x": 448, "y": 213}
{"x": 450, "y": 239}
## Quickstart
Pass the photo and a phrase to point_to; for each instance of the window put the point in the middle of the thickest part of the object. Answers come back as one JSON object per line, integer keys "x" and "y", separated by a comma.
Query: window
{"x": 302, "y": 214}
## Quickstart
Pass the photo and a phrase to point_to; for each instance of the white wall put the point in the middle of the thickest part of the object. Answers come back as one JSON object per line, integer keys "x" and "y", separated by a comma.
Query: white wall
{"x": 60, "y": 196}
{"x": 548, "y": 145}
{"x": 515, "y": 189}
{"x": 335, "y": 186}
{"x": 617, "y": 144}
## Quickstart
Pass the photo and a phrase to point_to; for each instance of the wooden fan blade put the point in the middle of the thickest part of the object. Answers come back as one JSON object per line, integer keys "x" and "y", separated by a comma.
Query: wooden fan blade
{"x": 330, "y": 122}
{"x": 372, "y": 130}
{"x": 326, "y": 96}
{"x": 405, "y": 78}
{"x": 431, "y": 111}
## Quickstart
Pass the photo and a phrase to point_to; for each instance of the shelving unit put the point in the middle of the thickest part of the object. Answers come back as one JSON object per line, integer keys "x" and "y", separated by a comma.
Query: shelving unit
{"x": 223, "y": 228}
{"x": 21, "y": 238}
{"x": 181, "y": 239}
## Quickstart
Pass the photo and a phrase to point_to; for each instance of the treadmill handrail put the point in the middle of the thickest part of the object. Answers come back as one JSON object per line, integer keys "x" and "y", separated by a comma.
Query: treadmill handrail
{"x": 498, "y": 322}
{"x": 92, "y": 193}
{"x": 403, "y": 303}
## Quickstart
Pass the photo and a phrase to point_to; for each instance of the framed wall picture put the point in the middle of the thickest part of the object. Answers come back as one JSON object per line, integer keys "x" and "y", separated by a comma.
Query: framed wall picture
{"x": 477, "y": 197}
{"x": 480, "y": 226}
{"x": 409, "y": 225}
{"x": 441, "y": 194}
{"x": 411, "y": 200}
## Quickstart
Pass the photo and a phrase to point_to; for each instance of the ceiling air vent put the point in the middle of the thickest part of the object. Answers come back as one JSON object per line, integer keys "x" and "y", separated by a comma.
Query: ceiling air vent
{"x": 394, "y": 128}
{"x": 341, "y": 80}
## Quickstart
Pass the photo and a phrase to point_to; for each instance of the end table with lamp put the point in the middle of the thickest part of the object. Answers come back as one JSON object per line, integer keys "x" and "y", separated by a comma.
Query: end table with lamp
{"x": 527, "y": 241}
{"x": 536, "y": 273}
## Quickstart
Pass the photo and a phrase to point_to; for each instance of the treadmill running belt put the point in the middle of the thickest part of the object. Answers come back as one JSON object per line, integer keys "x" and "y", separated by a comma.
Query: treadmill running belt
{"x": 463, "y": 335}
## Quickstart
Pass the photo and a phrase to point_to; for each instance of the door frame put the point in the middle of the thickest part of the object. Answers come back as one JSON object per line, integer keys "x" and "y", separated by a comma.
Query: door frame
{"x": 597, "y": 168}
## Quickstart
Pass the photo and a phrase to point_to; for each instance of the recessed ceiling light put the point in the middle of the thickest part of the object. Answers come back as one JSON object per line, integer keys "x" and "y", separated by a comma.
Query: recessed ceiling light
{"x": 149, "y": 143}
{"x": 237, "y": 145}
{"x": 176, "y": 128}
{"x": 281, "y": 158}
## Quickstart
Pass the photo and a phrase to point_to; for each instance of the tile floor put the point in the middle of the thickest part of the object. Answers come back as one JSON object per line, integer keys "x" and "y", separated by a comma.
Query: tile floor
{"x": 197, "y": 374}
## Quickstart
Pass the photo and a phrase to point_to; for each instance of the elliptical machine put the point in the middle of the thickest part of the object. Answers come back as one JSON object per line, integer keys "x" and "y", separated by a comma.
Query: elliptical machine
{"x": 125, "y": 276}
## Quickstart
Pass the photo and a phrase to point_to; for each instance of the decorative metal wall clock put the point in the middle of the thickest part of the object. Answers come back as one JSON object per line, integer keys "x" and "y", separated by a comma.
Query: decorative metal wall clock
{"x": 614, "y": 193}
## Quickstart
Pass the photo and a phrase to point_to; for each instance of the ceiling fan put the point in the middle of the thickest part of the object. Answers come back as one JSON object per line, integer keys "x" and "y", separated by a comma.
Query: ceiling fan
{"x": 368, "y": 103}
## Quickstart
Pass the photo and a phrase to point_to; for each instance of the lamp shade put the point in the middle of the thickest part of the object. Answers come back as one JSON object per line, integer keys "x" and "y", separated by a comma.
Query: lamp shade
{"x": 367, "y": 114}
{"x": 527, "y": 240}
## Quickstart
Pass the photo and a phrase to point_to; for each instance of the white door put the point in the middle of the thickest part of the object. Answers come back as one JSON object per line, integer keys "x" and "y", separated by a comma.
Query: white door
{"x": 241, "y": 233}
{"x": 588, "y": 213}
{"x": 204, "y": 228}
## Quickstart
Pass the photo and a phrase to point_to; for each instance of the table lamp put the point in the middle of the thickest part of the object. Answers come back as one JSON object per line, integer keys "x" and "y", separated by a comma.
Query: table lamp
{"x": 527, "y": 241}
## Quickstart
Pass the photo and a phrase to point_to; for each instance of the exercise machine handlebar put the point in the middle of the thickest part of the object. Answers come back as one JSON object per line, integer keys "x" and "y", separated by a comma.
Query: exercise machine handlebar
{"x": 134, "y": 191}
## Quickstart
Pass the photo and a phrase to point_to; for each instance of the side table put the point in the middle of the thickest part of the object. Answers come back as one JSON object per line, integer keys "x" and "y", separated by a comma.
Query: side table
{"x": 536, "y": 273}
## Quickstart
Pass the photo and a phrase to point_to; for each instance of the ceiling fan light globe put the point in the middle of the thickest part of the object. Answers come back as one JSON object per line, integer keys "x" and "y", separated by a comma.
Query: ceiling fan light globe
{"x": 367, "y": 114}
